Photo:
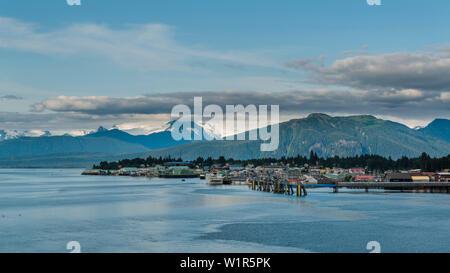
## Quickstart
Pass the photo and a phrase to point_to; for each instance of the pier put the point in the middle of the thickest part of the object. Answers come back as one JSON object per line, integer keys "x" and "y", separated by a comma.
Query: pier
{"x": 279, "y": 187}
{"x": 300, "y": 189}
{"x": 420, "y": 187}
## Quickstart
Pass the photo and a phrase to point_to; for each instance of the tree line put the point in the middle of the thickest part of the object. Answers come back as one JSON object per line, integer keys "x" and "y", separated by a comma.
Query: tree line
{"x": 369, "y": 162}
{"x": 135, "y": 163}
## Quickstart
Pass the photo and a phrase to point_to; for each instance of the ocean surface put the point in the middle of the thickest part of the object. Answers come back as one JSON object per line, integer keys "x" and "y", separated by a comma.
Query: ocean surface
{"x": 41, "y": 210}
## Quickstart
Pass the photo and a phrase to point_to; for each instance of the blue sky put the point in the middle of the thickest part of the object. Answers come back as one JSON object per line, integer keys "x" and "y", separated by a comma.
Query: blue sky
{"x": 128, "y": 49}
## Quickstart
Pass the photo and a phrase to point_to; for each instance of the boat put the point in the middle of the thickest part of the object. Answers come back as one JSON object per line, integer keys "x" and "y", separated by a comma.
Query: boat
{"x": 216, "y": 180}
{"x": 202, "y": 176}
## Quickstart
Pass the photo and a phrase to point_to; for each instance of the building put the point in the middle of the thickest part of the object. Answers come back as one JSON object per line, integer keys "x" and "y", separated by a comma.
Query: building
{"x": 429, "y": 174}
{"x": 181, "y": 167}
{"x": 399, "y": 177}
{"x": 442, "y": 177}
{"x": 357, "y": 171}
{"x": 420, "y": 178}
{"x": 236, "y": 168}
{"x": 364, "y": 178}
{"x": 331, "y": 178}
{"x": 128, "y": 171}
{"x": 307, "y": 179}
{"x": 416, "y": 172}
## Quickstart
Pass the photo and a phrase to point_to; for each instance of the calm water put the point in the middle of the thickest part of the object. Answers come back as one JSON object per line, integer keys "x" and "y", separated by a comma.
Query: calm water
{"x": 41, "y": 210}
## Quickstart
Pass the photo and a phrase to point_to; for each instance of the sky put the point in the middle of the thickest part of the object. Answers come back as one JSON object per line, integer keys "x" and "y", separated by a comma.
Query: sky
{"x": 127, "y": 63}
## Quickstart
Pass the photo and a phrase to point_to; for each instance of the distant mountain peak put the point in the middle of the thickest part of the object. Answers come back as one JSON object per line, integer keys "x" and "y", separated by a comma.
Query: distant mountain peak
{"x": 101, "y": 129}
{"x": 318, "y": 115}
{"x": 440, "y": 121}
{"x": 439, "y": 128}
{"x": 168, "y": 127}
{"x": 46, "y": 134}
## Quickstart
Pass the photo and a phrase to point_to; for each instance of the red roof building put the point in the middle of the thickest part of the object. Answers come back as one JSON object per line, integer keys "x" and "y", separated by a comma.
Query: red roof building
{"x": 357, "y": 171}
{"x": 364, "y": 178}
{"x": 442, "y": 177}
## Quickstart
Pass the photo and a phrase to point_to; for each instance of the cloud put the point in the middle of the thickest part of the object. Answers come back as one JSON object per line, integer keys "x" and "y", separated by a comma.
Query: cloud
{"x": 312, "y": 64}
{"x": 10, "y": 97}
{"x": 14, "y": 117}
{"x": 77, "y": 123}
{"x": 101, "y": 105}
{"x": 362, "y": 51}
{"x": 401, "y": 84}
{"x": 426, "y": 71}
{"x": 143, "y": 113}
{"x": 404, "y": 103}
{"x": 445, "y": 96}
{"x": 141, "y": 46}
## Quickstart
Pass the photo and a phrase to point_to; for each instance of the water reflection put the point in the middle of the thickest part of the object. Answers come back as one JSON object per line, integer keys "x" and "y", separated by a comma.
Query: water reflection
{"x": 41, "y": 210}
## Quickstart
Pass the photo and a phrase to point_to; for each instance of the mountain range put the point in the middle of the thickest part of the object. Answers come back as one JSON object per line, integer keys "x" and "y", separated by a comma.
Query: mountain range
{"x": 25, "y": 151}
{"x": 323, "y": 134}
{"x": 329, "y": 136}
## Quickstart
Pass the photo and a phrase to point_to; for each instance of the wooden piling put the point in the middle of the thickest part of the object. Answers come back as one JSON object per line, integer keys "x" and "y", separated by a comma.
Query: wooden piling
{"x": 304, "y": 190}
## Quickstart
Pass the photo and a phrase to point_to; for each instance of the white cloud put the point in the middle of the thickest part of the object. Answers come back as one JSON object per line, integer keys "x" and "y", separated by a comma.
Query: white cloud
{"x": 402, "y": 103}
{"x": 406, "y": 94}
{"x": 145, "y": 46}
{"x": 445, "y": 97}
{"x": 426, "y": 71}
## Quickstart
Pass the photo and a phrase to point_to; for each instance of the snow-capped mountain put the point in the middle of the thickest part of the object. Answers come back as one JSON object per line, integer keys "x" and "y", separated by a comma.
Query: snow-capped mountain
{"x": 208, "y": 130}
{"x": 167, "y": 127}
{"x": 102, "y": 141}
{"x": 13, "y": 134}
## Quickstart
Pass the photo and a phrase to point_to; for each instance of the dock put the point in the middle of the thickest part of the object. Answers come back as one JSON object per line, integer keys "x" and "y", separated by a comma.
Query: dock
{"x": 279, "y": 187}
{"x": 420, "y": 187}
{"x": 300, "y": 189}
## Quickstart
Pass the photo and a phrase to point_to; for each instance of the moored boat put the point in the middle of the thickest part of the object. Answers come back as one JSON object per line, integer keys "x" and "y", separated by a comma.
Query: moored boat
{"x": 216, "y": 180}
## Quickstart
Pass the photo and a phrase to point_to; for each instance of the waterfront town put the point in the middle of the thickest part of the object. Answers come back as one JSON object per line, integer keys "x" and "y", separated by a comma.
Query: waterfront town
{"x": 267, "y": 176}
{"x": 306, "y": 174}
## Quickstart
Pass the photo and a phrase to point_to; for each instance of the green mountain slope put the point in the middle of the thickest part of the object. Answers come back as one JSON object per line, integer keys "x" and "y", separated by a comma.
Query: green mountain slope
{"x": 327, "y": 136}
{"x": 439, "y": 128}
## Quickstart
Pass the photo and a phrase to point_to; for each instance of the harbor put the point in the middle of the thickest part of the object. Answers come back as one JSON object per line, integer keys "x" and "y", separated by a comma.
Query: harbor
{"x": 292, "y": 180}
